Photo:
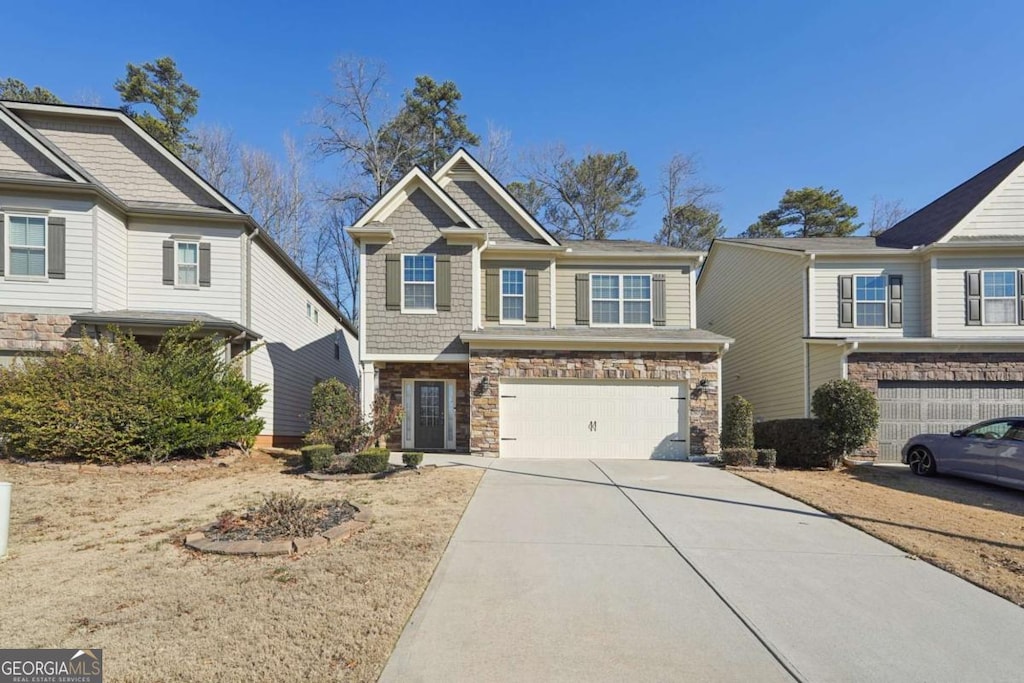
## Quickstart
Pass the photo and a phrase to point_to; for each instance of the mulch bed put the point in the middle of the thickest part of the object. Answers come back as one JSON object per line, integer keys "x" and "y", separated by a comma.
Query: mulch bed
{"x": 319, "y": 517}
{"x": 393, "y": 471}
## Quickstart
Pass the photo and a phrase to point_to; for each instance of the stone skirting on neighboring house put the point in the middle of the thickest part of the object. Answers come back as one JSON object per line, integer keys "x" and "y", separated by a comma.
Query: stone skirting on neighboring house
{"x": 390, "y": 376}
{"x": 692, "y": 367}
{"x": 35, "y": 332}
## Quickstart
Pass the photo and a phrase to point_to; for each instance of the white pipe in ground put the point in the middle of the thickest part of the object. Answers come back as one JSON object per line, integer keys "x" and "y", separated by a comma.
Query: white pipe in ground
{"x": 5, "y": 516}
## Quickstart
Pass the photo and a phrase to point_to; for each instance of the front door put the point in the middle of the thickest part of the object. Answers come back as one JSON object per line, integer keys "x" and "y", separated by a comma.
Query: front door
{"x": 428, "y": 408}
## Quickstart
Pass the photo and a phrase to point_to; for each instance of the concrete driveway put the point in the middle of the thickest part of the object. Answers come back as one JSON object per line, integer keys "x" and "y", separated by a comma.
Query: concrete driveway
{"x": 645, "y": 570}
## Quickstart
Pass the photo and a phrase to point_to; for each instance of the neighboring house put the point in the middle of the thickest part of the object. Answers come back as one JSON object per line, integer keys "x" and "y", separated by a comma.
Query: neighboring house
{"x": 499, "y": 340}
{"x": 103, "y": 226}
{"x": 929, "y": 315}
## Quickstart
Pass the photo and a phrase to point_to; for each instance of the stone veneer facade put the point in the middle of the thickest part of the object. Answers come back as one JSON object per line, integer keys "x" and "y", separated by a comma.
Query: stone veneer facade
{"x": 867, "y": 369}
{"x": 646, "y": 365}
{"x": 35, "y": 332}
{"x": 390, "y": 382}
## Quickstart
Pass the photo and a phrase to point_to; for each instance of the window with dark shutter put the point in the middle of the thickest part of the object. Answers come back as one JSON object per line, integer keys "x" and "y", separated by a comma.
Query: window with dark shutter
{"x": 444, "y": 282}
{"x": 895, "y": 301}
{"x": 658, "y": 298}
{"x": 168, "y": 265}
{"x": 582, "y": 298}
{"x": 532, "y": 297}
{"x": 972, "y": 289}
{"x": 204, "y": 264}
{"x": 393, "y": 282}
{"x": 845, "y": 301}
{"x": 492, "y": 295}
{"x": 56, "y": 252}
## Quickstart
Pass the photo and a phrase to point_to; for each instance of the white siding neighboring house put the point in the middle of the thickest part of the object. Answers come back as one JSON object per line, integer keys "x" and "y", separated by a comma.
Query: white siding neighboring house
{"x": 101, "y": 225}
{"x": 929, "y": 315}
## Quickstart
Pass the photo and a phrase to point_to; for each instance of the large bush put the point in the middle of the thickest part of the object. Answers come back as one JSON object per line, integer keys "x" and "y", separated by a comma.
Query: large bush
{"x": 335, "y": 416}
{"x": 738, "y": 424}
{"x": 848, "y": 413}
{"x": 112, "y": 402}
{"x": 739, "y": 457}
{"x": 370, "y": 461}
{"x": 800, "y": 442}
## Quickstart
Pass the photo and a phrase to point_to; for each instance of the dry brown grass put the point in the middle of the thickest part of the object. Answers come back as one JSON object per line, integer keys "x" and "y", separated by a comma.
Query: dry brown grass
{"x": 973, "y": 530}
{"x": 95, "y": 561}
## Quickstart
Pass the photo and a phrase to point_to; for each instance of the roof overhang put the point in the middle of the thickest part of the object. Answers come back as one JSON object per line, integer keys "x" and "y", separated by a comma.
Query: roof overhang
{"x": 459, "y": 235}
{"x": 374, "y": 233}
{"x": 485, "y": 339}
{"x": 922, "y": 344}
{"x": 158, "y": 323}
{"x": 688, "y": 257}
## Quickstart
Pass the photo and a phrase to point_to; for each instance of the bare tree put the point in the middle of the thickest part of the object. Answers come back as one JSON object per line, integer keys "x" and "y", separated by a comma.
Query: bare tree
{"x": 680, "y": 185}
{"x": 690, "y": 220}
{"x": 496, "y": 153}
{"x": 216, "y": 158}
{"x": 885, "y": 213}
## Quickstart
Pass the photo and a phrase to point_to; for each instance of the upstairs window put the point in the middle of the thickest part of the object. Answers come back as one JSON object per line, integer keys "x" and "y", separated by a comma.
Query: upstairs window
{"x": 620, "y": 299}
{"x": 26, "y": 240}
{"x": 999, "y": 297}
{"x": 418, "y": 282}
{"x": 869, "y": 300}
{"x": 513, "y": 295}
{"x": 186, "y": 264}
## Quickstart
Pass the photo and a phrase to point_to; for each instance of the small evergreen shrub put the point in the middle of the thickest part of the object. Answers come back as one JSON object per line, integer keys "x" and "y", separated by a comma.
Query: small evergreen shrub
{"x": 412, "y": 459}
{"x": 739, "y": 457}
{"x": 848, "y": 413}
{"x": 766, "y": 457}
{"x": 317, "y": 457}
{"x": 799, "y": 442}
{"x": 335, "y": 416}
{"x": 370, "y": 461}
{"x": 738, "y": 424}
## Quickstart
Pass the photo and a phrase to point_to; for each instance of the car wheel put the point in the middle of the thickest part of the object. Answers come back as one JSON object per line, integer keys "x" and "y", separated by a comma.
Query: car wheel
{"x": 921, "y": 461}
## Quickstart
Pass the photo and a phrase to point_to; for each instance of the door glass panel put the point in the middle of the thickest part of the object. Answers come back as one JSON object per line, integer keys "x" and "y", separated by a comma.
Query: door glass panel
{"x": 430, "y": 406}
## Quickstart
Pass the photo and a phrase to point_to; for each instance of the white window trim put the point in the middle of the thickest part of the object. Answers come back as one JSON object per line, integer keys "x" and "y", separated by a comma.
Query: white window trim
{"x": 177, "y": 269}
{"x": 884, "y": 302}
{"x": 8, "y": 246}
{"x": 501, "y": 297}
{"x": 1014, "y": 298}
{"x": 622, "y": 299}
{"x": 420, "y": 311}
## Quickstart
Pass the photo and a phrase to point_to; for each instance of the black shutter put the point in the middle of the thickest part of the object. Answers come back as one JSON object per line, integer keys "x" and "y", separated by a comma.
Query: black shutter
{"x": 532, "y": 297}
{"x": 582, "y": 298}
{"x": 3, "y": 253}
{"x": 895, "y": 301}
{"x": 56, "y": 247}
{"x": 204, "y": 264}
{"x": 845, "y": 301}
{"x": 443, "y": 282}
{"x": 168, "y": 262}
{"x": 393, "y": 283}
{"x": 658, "y": 299}
{"x": 972, "y": 287}
{"x": 1020, "y": 297}
{"x": 492, "y": 295}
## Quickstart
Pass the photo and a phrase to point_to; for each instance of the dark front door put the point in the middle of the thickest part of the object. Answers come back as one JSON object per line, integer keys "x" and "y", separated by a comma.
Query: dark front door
{"x": 429, "y": 408}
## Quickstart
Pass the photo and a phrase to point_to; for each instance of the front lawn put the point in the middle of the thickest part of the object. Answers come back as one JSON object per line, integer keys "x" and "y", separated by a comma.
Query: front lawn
{"x": 96, "y": 561}
{"x": 973, "y": 530}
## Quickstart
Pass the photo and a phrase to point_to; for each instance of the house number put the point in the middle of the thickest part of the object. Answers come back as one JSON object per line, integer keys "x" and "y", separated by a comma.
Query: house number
{"x": 592, "y": 425}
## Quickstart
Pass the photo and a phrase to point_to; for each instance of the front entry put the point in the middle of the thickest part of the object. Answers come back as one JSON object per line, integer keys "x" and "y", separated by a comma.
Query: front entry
{"x": 428, "y": 411}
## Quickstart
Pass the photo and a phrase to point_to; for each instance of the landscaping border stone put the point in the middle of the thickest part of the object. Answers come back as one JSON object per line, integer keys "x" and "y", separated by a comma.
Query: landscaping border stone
{"x": 197, "y": 540}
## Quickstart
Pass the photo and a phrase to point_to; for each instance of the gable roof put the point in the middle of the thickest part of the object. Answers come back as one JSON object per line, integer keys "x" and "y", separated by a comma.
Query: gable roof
{"x": 415, "y": 179}
{"x": 933, "y": 222}
{"x": 463, "y": 163}
{"x": 816, "y": 245}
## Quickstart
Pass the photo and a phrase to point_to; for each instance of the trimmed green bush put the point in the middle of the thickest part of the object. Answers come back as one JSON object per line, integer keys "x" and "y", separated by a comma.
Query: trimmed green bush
{"x": 317, "y": 457}
{"x": 335, "y": 416}
{"x": 799, "y": 442}
{"x": 766, "y": 457}
{"x": 848, "y": 413}
{"x": 412, "y": 459}
{"x": 738, "y": 424}
{"x": 370, "y": 461}
{"x": 112, "y": 402}
{"x": 739, "y": 457}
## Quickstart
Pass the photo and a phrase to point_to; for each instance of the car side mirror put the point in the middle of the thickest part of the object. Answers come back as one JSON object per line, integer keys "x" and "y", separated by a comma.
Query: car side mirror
{"x": 957, "y": 433}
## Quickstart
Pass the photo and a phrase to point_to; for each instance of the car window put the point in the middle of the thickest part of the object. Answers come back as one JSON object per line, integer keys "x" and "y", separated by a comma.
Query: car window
{"x": 1016, "y": 432}
{"x": 990, "y": 430}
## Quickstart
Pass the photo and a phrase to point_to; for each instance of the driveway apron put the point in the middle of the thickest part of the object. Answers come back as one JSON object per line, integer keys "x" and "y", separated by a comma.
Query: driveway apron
{"x": 661, "y": 571}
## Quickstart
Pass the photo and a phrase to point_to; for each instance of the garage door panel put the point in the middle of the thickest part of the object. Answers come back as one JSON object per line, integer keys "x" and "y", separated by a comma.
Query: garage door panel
{"x": 908, "y": 408}
{"x": 593, "y": 419}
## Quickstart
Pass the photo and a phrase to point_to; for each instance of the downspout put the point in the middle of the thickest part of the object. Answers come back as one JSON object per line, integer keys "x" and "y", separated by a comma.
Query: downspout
{"x": 848, "y": 348}
{"x": 248, "y": 296}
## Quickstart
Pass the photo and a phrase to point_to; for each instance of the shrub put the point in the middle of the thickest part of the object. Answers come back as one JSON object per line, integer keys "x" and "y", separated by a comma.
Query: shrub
{"x": 848, "y": 413}
{"x": 110, "y": 401}
{"x": 738, "y": 424}
{"x": 739, "y": 457}
{"x": 766, "y": 457}
{"x": 800, "y": 442}
{"x": 335, "y": 416}
{"x": 412, "y": 459}
{"x": 317, "y": 457}
{"x": 370, "y": 461}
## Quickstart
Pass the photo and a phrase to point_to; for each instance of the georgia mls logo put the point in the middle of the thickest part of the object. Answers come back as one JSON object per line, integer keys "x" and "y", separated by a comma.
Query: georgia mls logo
{"x": 51, "y": 666}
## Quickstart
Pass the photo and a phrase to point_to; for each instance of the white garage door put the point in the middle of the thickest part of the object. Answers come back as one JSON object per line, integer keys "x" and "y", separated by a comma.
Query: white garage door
{"x": 910, "y": 408}
{"x": 593, "y": 419}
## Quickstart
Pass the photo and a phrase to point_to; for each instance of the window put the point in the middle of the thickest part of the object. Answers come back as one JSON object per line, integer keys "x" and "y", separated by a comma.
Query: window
{"x": 999, "y": 297}
{"x": 316, "y": 316}
{"x": 513, "y": 296}
{"x": 26, "y": 239}
{"x": 620, "y": 299}
{"x": 186, "y": 264}
{"x": 869, "y": 299}
{"x": 418, "y": 282}
{"x": 990, "y": 430}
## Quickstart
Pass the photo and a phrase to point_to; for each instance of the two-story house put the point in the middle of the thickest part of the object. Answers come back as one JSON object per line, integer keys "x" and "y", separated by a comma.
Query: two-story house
{"x": 500, "y": 340}
{"x": 100, "y": 225}
{"x": 929, "y": 315}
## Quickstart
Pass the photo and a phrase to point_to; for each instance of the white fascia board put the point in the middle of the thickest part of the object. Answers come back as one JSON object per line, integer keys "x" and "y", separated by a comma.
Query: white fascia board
{"x": 417, "y": 357}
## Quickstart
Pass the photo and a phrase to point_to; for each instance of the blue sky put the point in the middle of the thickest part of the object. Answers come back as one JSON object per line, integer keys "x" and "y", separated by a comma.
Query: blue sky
{"x": 899, "y": 99}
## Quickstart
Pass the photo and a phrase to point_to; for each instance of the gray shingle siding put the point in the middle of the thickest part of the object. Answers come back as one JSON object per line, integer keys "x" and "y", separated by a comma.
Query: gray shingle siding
{"x": 416, "y": 224}
{"x": 499, "y": 224}
{"x": 19, "y": 156}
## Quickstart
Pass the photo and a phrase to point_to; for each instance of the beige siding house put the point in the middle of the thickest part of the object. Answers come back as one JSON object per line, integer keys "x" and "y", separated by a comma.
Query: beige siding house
{"x": 500, "y": 340}
{"x": 929, "y": 315}
{"x": 100, "y": 225}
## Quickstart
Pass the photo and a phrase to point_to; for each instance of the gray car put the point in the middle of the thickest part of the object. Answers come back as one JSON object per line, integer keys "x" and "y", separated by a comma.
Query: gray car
{"x": 991, "y": 451}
